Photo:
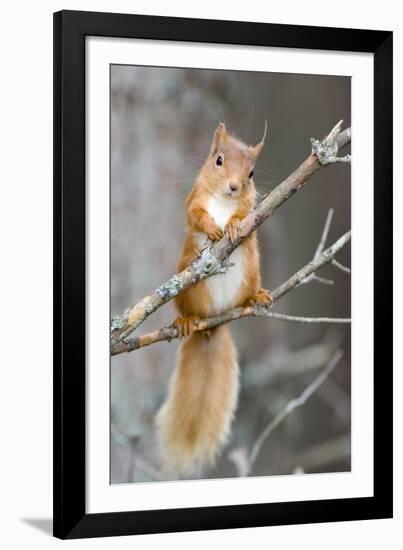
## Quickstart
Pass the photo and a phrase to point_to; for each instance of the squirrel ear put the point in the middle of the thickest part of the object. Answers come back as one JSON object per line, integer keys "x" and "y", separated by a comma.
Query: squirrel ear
{"x": 256, "y": 150}
{"x": 220, "y": 136}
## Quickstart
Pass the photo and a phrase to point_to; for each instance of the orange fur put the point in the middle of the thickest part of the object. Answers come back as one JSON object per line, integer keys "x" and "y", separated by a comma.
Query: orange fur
{"x": 195, "y": 420}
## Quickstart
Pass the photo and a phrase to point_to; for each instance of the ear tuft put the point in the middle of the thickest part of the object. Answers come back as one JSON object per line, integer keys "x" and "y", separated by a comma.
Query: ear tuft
{"x": 220, "y": 137}
{"x": 256, "y": 150}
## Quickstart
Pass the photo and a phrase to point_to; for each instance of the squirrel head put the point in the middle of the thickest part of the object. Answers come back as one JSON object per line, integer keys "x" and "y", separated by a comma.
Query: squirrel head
{"x": 230, "y": 165}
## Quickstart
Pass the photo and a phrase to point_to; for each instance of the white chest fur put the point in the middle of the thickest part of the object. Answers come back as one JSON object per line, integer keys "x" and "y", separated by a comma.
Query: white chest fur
{"x": 224, "y": 287}
{"x": 221, "y": 209}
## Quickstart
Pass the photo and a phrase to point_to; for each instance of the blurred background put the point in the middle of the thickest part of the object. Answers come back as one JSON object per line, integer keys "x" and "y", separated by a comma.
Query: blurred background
{"x": 162, "y": 123}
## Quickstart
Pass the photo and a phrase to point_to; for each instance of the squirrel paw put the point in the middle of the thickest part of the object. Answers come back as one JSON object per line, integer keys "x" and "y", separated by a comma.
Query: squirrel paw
{"x": 262, "y": 297}
{"x": 186, "y": 325}
{"x": 232, "y": 229}
{"x": 214, "y": 232}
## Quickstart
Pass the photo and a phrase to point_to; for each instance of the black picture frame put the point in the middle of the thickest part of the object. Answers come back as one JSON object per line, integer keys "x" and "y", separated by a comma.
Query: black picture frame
{"x": 70, "y": 517}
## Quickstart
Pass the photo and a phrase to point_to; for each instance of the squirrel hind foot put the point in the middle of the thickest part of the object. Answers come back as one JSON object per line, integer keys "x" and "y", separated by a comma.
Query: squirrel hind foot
{"x": 262, "y": 297}
{"x": 186, "y": 325}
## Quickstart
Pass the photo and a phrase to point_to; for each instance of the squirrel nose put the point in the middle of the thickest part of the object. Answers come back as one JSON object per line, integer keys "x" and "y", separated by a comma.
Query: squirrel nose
{"x": 233, "y": 186}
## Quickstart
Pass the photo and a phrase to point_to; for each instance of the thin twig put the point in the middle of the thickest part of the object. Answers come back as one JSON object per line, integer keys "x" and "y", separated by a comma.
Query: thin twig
{"x": 323, "y": 280}
{"x": 298, "y": 319}
{"x": 313, "y": 266}
{"x": 319, "y": 250}
{"x": 341, "y": 266}
{"x": 325, "y": 234}
{"x": 248, "y": 464}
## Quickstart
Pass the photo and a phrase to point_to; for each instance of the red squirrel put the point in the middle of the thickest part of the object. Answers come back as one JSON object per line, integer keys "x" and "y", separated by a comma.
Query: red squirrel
{"x": 195, "y": 420}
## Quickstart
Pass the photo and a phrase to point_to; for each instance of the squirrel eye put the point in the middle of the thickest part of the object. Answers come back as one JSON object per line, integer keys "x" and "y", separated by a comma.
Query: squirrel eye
{"x": 219, "y": 160}
{"x": 251, "y": 174}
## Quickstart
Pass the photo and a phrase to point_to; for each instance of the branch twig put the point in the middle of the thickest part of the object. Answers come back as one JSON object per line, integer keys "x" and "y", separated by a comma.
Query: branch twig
{"x": 325, "y": 234}
{"x": 319, "y": 250}
{"x": 214, "y": 259}
{"x": 299, "y": 319}
{"x": 245, "y": 461}
{"x": 341, "y": 266}
{"x": 169, "y": 333}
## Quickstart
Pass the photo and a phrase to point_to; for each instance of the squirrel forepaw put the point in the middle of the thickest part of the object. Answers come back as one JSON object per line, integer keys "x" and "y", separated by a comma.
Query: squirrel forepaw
{"x": 233, "y": 229}
{"x": 212, "y": 230}
{"x": 215, "y": 234}
{"x": 186, "y": 325}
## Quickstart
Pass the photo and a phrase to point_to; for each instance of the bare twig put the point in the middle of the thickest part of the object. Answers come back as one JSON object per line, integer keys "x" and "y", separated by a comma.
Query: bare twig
{"x": 298, "y": 319}
{"x": 214, "y": 259}
{"x": 322, "y": 280}
{"x": 245, "y": 461}
{"x": 319, "y": 250}
{"x": 169, "y": 333}
{"x": 325, "y": 258}
{"x": 341, "y": 266}
{"x": 325, "y": 234}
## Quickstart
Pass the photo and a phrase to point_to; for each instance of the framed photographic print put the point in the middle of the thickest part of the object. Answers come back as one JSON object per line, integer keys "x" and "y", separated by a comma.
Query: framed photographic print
{"x": 222, "y": 237}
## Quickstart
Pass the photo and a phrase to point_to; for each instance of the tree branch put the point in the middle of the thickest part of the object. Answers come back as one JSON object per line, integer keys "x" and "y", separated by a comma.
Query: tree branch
{"x": 169, "y": 333}
{"x": 245, "y": 461}
{"x": 214, "y": 259}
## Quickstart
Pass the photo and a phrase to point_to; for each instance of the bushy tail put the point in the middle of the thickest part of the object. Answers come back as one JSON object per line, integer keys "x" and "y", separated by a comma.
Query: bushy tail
{"x": 195, "y": 420}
